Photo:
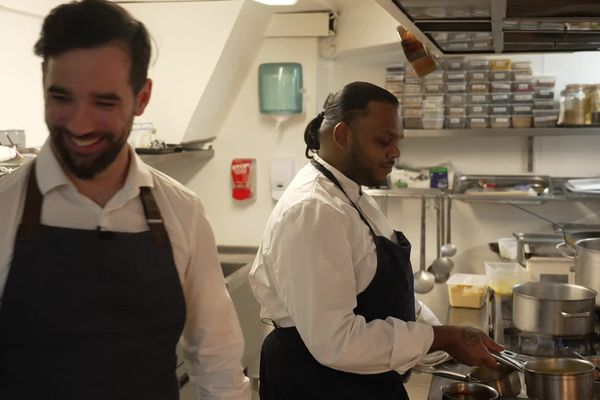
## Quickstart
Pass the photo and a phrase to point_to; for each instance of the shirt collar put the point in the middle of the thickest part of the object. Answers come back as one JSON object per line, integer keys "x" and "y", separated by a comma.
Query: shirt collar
{"x": 352, "y": 189}
{"x": 51, "y": 174}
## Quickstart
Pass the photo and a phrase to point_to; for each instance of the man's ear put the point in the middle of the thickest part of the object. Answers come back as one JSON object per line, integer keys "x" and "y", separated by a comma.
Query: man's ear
{"x": 341, "y": 135}
{"x": 143, "y": 97}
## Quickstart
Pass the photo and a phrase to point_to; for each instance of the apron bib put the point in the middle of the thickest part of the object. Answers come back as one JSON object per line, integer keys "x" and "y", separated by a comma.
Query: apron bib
{"x": 90, "y": 314}
{"x": 289, "y": 372}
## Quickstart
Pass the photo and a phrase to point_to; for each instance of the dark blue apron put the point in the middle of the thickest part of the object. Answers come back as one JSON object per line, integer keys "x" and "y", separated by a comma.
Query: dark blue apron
{"x": 90, "y": 314}
{"x": 289, "y": 372}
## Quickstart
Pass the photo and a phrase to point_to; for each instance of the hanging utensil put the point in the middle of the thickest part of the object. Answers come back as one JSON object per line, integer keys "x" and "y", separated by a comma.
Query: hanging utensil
{"x": 441, "y": 266}
{"x": 448, "y": 249}
{"x": 424, "y": 281}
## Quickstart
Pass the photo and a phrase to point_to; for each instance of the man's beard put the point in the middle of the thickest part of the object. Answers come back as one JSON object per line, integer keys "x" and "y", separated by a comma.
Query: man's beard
{"x": 86, "y": 168}
{"x": 360, "y": 172}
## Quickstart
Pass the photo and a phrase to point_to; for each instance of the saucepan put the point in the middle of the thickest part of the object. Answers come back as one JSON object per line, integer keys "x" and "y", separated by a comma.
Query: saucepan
{"x": 468, "y": 391}
{"x": 554, "y": 378}
{"x": 503, "y": 379}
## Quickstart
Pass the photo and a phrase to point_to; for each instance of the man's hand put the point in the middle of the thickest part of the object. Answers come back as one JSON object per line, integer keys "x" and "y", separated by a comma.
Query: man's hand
{"x": 465, "y": 344}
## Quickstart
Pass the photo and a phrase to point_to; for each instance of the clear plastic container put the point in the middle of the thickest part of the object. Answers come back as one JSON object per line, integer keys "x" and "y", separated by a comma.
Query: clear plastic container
{"x": 455, "y": 122}
{"x": 456, "y": 98}
{"x": 478, "y": 87}
{"x": 500, "y": 121}
{"x": 543, "y": 104}
{"x": 572, "y": 105}
{"x": 477, "y": 76}
{"x": 522, "y": 121}
{"x": 433, "y": 114}
{"x": 478, "y": 110}
{"x": 456, "y": 76}
{"x": 478, "y": 65}
{"x": 501, "y": 87}
{"x": 454, "y": 64}
{"x": 467, "y": 290}
{"x": 478, "y": 98}
{"x": 434, "y": 87}
{"x": 477, "y": 122}
{"x": 413, "y": 89}
{"x": 500, "y": 98}
{"x": 543, "y": 94}
{"x": 456, "y": 111}
{"x": 500, "y": 109}
{"x": 434, "y": 76}
{"x": 523, "y": 87}
{"x": 500, "y": 76}
{"x": 413, "y": 123}
{"x": 522, "y": 98}
{"x": 521, "y": 109}
{"x": 412, "y": 100}
{"x": 395, "y": 88}
{"x": 500, "y": 64}
{"x": 455, "y": 87}
{"x": 412, "y": 112}
{"x": 504, "y": 275}
{"x": 522, "y": 76}
{"x": 521, "y": 66}
{"x": 545, "y": 118}
{"x": 437, "y": 99}
{"x": 433, "y": 123}
{"x": 545, "y": 81}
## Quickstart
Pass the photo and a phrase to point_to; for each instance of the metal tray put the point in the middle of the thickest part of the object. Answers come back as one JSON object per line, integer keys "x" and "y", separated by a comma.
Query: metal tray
{"x": 496, "y": 188}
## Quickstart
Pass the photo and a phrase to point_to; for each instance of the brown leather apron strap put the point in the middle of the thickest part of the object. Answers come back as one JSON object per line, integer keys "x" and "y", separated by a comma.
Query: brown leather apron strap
{"x": 153, "y": 217}
{"x": 32, "y": 209}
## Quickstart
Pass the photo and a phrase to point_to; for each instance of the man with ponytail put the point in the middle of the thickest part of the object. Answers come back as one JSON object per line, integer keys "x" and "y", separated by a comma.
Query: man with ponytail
{"x": 333, "y": 276}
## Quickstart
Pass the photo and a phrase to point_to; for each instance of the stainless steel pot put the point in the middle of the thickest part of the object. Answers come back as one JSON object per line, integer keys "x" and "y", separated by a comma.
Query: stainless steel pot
{"x": 587, "y": 264}
{"x": 555, "y": 378}
{"x": 557, "y": 309}
{"x": 504, "y": 379}
{"x": 468, "y": 390}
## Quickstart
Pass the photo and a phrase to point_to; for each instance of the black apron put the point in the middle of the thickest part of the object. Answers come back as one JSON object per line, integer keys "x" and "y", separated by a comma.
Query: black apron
{"x": 289, "y": 372}
{"x": 90, "y": 314}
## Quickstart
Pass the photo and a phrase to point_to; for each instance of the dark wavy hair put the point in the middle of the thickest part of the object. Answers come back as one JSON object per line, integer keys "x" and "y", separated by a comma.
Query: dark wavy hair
{"x": 350, "y": 103}
{"x": 93, "y": 23}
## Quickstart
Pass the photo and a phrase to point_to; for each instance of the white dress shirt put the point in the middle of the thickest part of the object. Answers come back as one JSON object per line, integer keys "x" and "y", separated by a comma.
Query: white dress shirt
{"x": 212, "y": 339}
{"x": 316, "y": 256}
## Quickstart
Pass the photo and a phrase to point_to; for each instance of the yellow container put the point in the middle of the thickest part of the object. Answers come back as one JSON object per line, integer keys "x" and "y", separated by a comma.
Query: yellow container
{"x": 504, "y": 275}
{"x": 467, "y": 290}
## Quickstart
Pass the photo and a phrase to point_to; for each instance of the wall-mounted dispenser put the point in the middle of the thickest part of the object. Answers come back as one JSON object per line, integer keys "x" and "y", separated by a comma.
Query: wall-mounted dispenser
{"x": 282, "y": 171}
{"x": 280, "y": 90}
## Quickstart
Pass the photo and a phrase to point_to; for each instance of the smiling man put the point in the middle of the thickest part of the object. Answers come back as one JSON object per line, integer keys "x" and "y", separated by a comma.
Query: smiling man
{"x": 105, "y": 263}
{"x": 336, "y": 279}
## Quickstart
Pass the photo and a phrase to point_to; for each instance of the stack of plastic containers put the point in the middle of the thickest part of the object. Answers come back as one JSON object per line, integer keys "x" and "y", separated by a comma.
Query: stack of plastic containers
{"x": 394, "y": 80}
{"x": 455, "y": 76}
{"x": 412, "y": 101}
{"x": 434, "y": 88}
{"x": 545, "y": 113}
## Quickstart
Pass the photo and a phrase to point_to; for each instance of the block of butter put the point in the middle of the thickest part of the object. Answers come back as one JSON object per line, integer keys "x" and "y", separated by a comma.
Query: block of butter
{"x": 467, "y": 290}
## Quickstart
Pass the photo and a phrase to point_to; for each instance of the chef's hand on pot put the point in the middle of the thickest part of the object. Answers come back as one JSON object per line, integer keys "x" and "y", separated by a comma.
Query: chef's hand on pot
{"x": 465, "y": 344}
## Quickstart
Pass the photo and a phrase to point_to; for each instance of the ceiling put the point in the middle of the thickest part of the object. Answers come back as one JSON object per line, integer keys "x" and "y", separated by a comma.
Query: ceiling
{"x": 501, "y": 26}
{"x": 300, "y": 6}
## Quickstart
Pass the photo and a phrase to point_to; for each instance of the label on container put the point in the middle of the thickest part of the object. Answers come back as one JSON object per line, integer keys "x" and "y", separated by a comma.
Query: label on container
{"x": 499, "y": 76}
{"x": 523, "y": 97}
{"x": 501, "y": 120}
{"x": 500, "y": 98}
{"x": 456, "y": 76}
{"x": 438, "y": 177}
{"x": 454, "y": 120}
{"x": 456, "y": 99}
{"x": 524, "y": 86}
{"x": 478, "y": 98}
{"x": 457, "y": 87}
{"x": 477, "y": 109}
{"x": 433, "y": 88}
{"x": 479, "y": 76}
{"x": 522, "y": 109}
{"x": 499, "y": 110}
{"x": 501, "y": 87}
{"x": 479, "y": 87}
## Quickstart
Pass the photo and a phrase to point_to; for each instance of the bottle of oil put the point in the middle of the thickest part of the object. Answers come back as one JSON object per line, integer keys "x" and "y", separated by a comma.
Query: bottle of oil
{"x": 415, "y": 53}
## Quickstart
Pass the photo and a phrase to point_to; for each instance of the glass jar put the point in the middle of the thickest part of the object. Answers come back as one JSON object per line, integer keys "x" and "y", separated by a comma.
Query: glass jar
{"x": 595, "y": 105}
{"x": 572, "y": 105}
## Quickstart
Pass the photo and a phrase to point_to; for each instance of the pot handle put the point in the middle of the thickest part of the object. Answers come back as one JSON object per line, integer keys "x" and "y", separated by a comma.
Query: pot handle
{"x": 562, "y": 249}
{"x": 584, "y": 314}
{"x": 505, "y": 359}
{"x": 444, "y": 373}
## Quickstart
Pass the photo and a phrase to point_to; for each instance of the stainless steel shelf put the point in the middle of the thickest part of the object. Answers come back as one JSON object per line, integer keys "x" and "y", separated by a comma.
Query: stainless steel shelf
{"x": 405, "y": 193}
{"x": 528, "y": 132}
{"x": 154, "y": 159}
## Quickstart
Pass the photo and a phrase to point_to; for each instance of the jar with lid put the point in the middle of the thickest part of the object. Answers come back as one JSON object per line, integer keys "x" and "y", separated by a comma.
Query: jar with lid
{"x": 572, "y": 105}
{"x": 595, "y": 104}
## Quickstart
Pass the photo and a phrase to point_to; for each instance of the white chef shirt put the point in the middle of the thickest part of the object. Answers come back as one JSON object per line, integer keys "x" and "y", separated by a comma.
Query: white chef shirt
{"x": 212, "y": 339}
{"x": 316, "y": 256}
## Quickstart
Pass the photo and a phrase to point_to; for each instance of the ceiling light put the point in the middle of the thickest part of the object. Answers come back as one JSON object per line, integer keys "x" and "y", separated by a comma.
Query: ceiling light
{"x": 277, "y": 2}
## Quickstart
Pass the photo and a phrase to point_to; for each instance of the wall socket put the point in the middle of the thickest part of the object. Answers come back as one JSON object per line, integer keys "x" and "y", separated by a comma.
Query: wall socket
{"x": 12, "y": 137}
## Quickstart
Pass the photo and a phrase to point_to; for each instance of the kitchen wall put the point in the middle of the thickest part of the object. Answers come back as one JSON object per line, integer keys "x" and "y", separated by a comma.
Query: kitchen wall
{"x": 246, "y": 133}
